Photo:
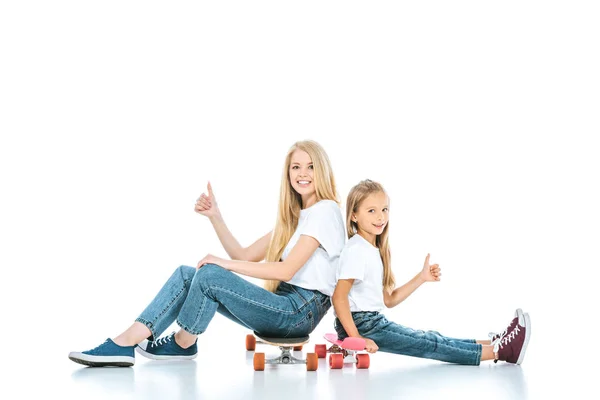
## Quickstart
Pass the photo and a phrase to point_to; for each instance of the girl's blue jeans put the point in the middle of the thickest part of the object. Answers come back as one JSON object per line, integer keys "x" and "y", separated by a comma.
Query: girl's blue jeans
{"x": 192, "y": 296}
{"x": 394, "y": 338}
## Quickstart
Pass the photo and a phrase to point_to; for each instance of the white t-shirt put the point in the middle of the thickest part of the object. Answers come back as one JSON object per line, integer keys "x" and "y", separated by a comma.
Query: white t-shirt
{"x": 324, "y": 222}
{"x": 361, "y": 261}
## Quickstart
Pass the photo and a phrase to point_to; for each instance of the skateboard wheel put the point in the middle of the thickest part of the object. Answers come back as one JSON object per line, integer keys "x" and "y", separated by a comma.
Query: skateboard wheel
{"x": 336, "y": 361}
{"x": 312, "y": 362}
{"x": 250, "y": 342}
{"x": 298, "y": 348}
{"x": 321, "y": 350}
{"x": 259, "y": 361}
{"x": 363, "y": 361}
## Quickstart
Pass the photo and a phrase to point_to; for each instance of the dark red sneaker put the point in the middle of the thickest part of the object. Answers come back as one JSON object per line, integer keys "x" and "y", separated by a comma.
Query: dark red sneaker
{"x": 517, "y": 319}
{"x": 511, "y": 347}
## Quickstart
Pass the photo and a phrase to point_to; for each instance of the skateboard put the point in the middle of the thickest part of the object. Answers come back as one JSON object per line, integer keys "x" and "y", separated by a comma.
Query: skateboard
{"x": 343, "y": 351}
{"x": 286, "y": 345}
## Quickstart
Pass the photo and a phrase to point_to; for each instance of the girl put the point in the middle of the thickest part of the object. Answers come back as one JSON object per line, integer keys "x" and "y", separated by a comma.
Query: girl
{"x": 365, "y": 285}
{"x": 301, "y": 254}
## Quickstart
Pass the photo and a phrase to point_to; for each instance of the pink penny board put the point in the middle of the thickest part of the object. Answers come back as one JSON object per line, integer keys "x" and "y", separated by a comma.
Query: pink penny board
{"x": 349, "y": 343}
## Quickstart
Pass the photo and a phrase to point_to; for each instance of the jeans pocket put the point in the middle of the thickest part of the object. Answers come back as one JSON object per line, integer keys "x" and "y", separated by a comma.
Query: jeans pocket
{"x": 303, "y": 296}
{"x": 304, "y": 326}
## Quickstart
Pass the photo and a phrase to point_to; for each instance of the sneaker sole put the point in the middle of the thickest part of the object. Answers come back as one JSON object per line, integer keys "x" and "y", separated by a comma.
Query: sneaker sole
{"x": 521, "y": 317}
{"x": 102, "y": 361}
{"x": 527, "y": 335}
{"x": 155, "y": 357}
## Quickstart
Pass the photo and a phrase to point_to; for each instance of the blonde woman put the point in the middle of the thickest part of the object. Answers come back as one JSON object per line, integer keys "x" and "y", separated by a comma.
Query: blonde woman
{"x": 300, "y": 255}
{"x": 365, "y": 286}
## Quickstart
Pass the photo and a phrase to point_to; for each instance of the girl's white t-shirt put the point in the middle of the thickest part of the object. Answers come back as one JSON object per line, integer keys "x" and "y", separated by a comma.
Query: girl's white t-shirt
{"x": 361, "y": 261}
{"x": 324, "y": 222}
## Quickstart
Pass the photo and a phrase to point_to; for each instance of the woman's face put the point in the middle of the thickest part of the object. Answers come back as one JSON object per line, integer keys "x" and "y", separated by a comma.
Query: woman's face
{"x": 302, "y": 173}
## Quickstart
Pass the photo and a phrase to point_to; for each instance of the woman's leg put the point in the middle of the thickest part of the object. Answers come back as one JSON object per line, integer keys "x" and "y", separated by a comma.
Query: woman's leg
{"x": 185, "y": 339}
{"x": 162, "y": 311}
{"x": 159, "y": 314}
{"x": 291, "y": 311}
{"x": 268, "y": 313}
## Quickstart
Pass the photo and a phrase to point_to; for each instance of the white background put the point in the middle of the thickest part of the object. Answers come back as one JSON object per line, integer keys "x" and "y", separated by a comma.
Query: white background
{"x": 479, "y": 118}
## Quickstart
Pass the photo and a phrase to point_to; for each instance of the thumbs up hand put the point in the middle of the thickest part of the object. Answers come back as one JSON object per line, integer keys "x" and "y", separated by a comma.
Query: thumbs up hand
{"x": 431, "y": 272}
{"x": 207, "y": 204}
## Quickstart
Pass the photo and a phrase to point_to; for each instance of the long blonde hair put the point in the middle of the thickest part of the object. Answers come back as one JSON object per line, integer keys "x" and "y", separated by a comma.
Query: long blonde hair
{"x": 290, "y": 202}
{"x": 356, "y": 196}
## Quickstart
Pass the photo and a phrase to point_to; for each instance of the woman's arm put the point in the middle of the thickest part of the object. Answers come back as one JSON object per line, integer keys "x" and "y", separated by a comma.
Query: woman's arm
{"x": 255, "y": 252}
{"x": 207, "y": 205}
{"x": 281, "y": 271}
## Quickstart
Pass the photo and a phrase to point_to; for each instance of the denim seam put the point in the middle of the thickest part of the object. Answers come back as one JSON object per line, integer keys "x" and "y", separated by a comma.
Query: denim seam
{"x": 254, "y": 302}
{"x": 479, "y": 351}
{"x": 309, "y": 316}
{"x": 171, "y": 302}
{"x": 306, "y": 302}
{"x": 476, "y": 352}
{"x": 185, "y": 328}
{"x": 200, "y": 311}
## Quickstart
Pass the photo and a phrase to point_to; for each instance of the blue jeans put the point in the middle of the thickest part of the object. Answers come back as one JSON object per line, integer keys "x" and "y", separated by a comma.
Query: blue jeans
{"x": 191, "y": 297}
{"x": 394, "y": 338}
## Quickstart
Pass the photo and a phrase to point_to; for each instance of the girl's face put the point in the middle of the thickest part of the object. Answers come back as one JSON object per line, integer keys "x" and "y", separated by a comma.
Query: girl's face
{"x": 372, "y": 214}
{"x": 302, "y": 173}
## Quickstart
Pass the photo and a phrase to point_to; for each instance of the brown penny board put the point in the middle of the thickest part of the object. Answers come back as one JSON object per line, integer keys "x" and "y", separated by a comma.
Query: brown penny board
{"x": 283, "y": 341}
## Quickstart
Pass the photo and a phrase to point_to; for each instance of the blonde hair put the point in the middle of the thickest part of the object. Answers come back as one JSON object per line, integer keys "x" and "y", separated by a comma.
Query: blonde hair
{"x": 356, "y": 196}
{"x": 290, "y": 202}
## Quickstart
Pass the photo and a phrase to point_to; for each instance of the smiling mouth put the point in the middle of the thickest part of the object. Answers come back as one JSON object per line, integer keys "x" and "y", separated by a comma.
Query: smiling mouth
{"x": 379, "y": 226}
{"x": 303, "y": 182}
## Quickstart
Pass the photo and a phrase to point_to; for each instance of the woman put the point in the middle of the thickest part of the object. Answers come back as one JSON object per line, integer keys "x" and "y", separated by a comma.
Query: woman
{"x": 300, "y": 253}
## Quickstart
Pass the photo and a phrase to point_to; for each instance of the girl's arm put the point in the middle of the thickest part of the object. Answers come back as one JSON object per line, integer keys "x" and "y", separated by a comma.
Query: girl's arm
{"x": 342, "y": 310}
{"x": 429, "y": 273}
{"x": 341, "y": 305}
{"x": 398, "y": 295}
{"x": 281, "y": 271}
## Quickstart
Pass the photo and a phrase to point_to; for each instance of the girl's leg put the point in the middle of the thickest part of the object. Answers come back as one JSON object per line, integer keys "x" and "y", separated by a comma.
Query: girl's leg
{"x": 398, "y": 339}
{"x": 482, "y": 341}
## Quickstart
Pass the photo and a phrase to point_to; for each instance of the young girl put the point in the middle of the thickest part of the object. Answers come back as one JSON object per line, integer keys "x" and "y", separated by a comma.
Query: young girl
{"x": 302, "y": 252}
{"x": 365, "y": 285}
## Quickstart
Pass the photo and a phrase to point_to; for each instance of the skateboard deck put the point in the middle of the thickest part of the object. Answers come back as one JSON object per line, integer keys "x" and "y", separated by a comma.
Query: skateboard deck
{"x": 286, "y": 345}
{"x": 294, "y": 342}
{"x": 349, "y": 343}
{"x": 343, "y": 351}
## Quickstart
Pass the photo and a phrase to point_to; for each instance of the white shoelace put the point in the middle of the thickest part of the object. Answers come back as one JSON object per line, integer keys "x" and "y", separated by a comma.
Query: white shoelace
{"x": 492, "y": 334}
{"x": 505, "y": 339}
{"x": 162, "y": 340}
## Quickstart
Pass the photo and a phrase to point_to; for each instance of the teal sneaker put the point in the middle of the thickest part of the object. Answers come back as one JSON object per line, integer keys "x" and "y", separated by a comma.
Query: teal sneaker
{"x": 108, "y": 354}
{"x": 166, "y": 348}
